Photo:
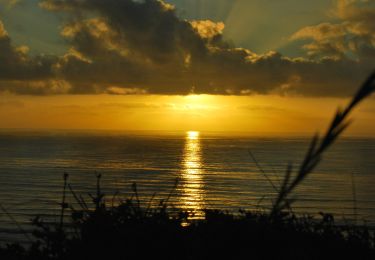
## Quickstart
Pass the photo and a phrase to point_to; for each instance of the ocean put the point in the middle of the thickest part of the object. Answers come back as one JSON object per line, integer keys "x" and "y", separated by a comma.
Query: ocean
{"x": 212, "y": 171}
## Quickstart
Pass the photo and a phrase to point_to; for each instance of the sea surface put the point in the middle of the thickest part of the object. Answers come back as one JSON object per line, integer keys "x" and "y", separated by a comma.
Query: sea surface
{"x": 212, "y": 171}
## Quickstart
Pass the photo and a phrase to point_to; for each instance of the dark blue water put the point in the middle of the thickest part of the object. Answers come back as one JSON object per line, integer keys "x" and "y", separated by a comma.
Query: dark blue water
{"x": 213, "y": 172}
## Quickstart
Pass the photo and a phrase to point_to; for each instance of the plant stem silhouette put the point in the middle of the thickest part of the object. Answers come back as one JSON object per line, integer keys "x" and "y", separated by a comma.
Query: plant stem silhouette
{"x": 318, "y": 147}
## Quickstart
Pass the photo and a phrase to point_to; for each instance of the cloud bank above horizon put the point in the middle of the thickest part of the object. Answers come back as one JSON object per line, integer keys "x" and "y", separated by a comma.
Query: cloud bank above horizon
{"x": 128, "y": 47}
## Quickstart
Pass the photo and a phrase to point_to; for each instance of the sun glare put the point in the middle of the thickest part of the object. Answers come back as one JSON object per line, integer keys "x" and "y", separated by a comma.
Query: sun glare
{"x": 192, "y": 135}
{"x": 192, "y": 175}
{"x": 196, "y": 103}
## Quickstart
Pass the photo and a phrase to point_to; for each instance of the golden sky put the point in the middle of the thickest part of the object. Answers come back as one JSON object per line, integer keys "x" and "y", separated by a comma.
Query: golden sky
{"x": 254, "y": 115}
{"x": 250, "y": 66}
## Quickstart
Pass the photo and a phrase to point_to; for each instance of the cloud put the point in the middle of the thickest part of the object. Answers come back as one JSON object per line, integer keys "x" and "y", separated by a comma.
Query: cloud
{"x": 105, "y": 106}
{"x": 352, "y": 36}
{"x": 12, "y": 104}
{"x": 131, "y": 105}
{"x": 262, "y": 108}
{"x": 3, "y": 32}
{"x": 21, "y": 74}
{"x": 208, "y": 29}
{"x": 126, "y": 47}
{"x": 9, "y": 3}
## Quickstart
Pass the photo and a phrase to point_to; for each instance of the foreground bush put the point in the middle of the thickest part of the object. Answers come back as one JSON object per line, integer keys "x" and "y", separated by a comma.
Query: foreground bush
{"x": 130, "y": 231}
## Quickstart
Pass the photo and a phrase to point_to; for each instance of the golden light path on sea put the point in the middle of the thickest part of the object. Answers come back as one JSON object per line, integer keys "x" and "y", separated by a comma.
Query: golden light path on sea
{"x": 192, "y": 187}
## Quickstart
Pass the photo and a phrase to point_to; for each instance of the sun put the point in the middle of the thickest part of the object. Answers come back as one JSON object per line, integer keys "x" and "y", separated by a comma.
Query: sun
{"x": 192, "y": 135}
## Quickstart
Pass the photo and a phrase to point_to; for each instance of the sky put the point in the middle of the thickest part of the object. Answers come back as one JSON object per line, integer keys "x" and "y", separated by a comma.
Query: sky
{"x": 265, "y": 67}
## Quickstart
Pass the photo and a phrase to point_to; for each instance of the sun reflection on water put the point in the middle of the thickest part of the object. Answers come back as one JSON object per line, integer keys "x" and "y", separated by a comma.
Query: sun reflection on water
{"x": 192, "y": 180}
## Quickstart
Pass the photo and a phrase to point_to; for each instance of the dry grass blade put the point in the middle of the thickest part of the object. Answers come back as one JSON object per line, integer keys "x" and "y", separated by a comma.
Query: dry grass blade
{"x": 319, "y": 146}
{"x": 262, "y": 171}
{"x": 16, "y": 223}
{"x": 79, "y": 200}
{"x": 174, "y": 188}
{"x": 64, "y": 205}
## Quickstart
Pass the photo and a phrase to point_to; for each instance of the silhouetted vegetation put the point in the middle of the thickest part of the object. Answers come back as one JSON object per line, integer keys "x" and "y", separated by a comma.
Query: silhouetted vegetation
{"x": 102, "y": 229}
{"x": 319, "y": 146}
{"x": 134, "y": 231}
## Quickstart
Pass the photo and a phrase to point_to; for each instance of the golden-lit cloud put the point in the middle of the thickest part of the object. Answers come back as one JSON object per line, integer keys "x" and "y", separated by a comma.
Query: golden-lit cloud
{"x": 3, "y": 32}
{"x": 207, "y": 28}
{"x": 352, "y": 35}
{"x": 126, "y": 47}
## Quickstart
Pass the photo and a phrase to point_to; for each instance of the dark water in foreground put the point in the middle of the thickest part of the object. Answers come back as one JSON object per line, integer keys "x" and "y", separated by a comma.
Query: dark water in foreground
{"x": 214, "y": 172}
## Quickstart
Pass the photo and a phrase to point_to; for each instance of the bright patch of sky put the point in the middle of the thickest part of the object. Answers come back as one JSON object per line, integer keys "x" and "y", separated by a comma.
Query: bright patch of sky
{"x": 259, "y": 25}
{"x": 30, "y": 25}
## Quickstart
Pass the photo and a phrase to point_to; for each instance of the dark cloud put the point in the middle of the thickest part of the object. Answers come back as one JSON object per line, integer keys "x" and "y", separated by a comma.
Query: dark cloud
{"x": 21, "y": 74}
{"x": 137, "y": 47}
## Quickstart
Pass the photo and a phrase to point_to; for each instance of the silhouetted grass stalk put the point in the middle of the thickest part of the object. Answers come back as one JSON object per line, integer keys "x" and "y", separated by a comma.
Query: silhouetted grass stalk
{"x": 63, "y": 204}
{"x": 354, "y": 193}
{"x": 16, "y": 223}
{"x": 318, "y": 147}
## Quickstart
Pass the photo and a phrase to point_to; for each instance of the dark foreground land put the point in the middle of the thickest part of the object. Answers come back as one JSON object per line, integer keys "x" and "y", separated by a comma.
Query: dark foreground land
{"x": 132, "y": 231}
